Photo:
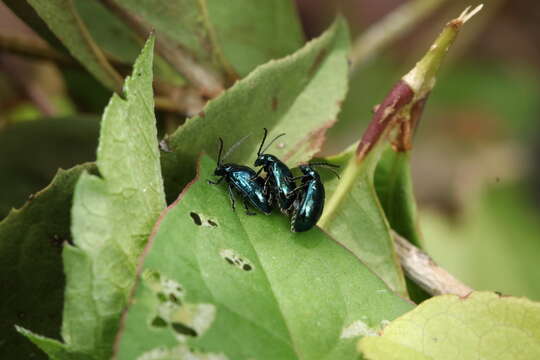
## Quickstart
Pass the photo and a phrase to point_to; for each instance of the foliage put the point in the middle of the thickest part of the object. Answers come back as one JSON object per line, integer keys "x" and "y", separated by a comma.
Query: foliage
{"x": 288, "y": 295}
{"x": 31, "y": 252}
{"x": 112, "y": 216}
{"x": 482, "y": 325}
{"x": 196, "y": 280}
{"x": 304, "y": 88}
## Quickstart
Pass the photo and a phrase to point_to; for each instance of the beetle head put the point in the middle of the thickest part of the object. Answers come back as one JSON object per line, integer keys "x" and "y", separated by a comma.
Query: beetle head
{"x": 306, "y": 169}
{"x": 263, "y": 160}
{"x": 220, "y": 171}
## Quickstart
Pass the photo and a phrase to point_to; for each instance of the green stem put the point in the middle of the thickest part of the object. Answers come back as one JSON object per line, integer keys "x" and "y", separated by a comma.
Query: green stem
{"x": 422, "y": 77}
{"x": 115, "y": 77}
{"x": 345, "y": 185}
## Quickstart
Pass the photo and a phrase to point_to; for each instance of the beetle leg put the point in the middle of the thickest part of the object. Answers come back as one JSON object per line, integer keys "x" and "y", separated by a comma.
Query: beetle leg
{"x": 247, "y": 208}
{"x": 216, "y": 182}
{"x": 265, "y": 187}
{"x": 231, "y": 196}
{"x": 297, "y": 178}
{"x": 296, "y": 190}
{"x": 257, "y": 174}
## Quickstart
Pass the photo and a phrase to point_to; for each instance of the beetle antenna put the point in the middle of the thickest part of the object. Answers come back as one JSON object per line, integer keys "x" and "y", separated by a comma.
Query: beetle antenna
{"x": 324, "y": 164}
{"x": 220, "y": 151}
{"x": 237, "y": 144}
{"x": 271, "y": 142}
{"x": 262, "y": 142}
{"x": 334, "y": 171}
{"x": 327, "y": 166}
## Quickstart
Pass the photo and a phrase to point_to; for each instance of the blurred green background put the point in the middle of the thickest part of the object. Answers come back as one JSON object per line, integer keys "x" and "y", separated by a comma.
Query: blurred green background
{"x": 475, "y": 160}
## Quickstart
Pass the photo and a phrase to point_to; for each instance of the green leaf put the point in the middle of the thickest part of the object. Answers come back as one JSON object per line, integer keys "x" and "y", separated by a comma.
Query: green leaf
{"x": 243, "y": 287}
{"x": 233, "y": 36}
{"x": 111, "y": 34}
{"x": 353, "y": 214}
{"x": 112, "y": 217}
{"x": 41, "y": 147}
{"x": 393, "y": 183}
{"x": 32, "y": 280}
{"x": 299, "y": 95}
{"x": 357, "y": 220}
{"x": 252, "y": 33}
{"x": 118, "y": 40}
{"x": 480, "y": 326}
{"x": 64, "y": 21}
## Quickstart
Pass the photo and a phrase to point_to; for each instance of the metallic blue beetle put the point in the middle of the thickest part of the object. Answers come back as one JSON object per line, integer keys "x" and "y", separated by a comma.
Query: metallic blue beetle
{"x": 245, "y": 181}
{"x": 309, "y": 202}
{"x": 279, "y": 183}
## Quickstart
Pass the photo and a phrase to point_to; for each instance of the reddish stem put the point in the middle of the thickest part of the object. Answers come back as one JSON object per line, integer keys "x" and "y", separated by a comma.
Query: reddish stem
{"x": 400, "y": 96}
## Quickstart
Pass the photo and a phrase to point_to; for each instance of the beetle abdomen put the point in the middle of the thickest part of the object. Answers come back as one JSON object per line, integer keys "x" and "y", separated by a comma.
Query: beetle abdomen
{"x": 243, "y": 181}
{"x": 309, "y": 207}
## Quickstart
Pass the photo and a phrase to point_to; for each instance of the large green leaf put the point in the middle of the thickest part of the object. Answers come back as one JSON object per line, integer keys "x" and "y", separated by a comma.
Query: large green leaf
{"x": 243, "y": 287}
{"x": 358, "y": 221}
{"x": 381, "y": 199}
{"x": 112, "y": 217}
{"x": 64, "y": 21}
{"x": 299, "y": 95}
{"x": 31, "y": 280}
{"x": 232, "y": 36}
{"x": 480, "y": 326}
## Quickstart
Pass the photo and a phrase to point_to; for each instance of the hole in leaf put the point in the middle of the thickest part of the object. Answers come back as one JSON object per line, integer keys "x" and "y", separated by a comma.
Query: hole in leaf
{"x": 151, "y": 275}
{"x": 212, "y": 223}
{"x": 159, "y": 322}
{"x": 234, "y": 259}
{"x": 183, "y": 329}
{"x": 174, "y": 299}
{"x": 161, "y": 297}
{"x": 196, "y": 218}
{"x": 246, "y": 267}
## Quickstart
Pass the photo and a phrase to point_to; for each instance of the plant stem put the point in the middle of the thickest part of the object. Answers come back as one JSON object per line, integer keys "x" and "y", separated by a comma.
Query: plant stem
{"x": 216, "y": 49}
{"x": 346, "y": 183}
{"x": 422, "y": 77}
{"x": 27, "y": 46}
{"x": 21, "y": 74}
{"x": 100, "y": 57}
{"x": 421, "y": 268}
